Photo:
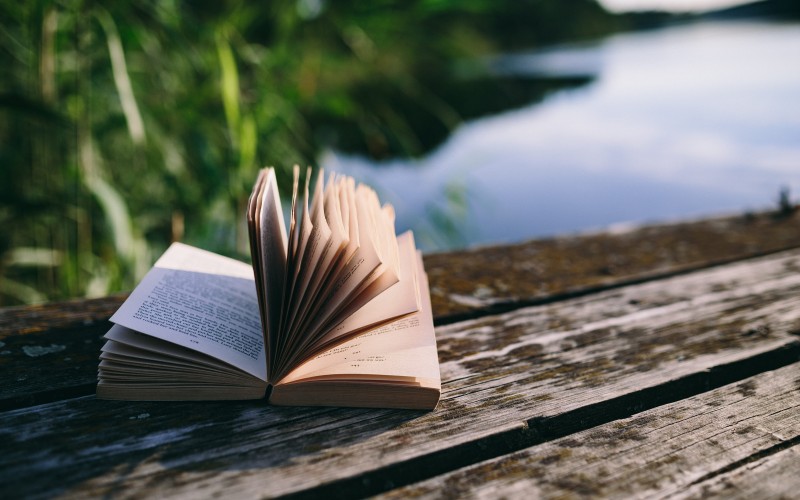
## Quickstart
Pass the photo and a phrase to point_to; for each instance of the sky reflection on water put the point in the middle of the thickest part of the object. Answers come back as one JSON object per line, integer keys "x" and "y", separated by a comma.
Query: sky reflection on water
{"x": 683, "y": 122}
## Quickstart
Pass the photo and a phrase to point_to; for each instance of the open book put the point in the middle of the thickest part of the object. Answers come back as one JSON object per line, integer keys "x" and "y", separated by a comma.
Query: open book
{"x": 335, "y": 311}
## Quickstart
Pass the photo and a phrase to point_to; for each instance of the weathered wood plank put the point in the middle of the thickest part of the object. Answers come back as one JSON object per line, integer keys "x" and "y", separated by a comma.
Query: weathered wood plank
{"x": 49, "y": 366}
{"x": 774, "y": 475}
{"x": 568, "y": 364}
{"x": 466, "y": 282}
{"x": 49, "y": 352}
{"x": 676, "y": 450}
{"x": 73, "y": 314}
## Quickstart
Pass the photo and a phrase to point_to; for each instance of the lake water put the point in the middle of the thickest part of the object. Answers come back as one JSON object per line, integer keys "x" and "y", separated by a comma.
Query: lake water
{"x": 682, "y": 122}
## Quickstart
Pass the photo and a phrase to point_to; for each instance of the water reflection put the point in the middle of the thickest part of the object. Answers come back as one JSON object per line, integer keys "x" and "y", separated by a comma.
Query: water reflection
{"x": 682, "y": 122}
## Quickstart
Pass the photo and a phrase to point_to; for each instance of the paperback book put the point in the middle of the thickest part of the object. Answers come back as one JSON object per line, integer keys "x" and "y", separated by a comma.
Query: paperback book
{"x": 334, "y": 311}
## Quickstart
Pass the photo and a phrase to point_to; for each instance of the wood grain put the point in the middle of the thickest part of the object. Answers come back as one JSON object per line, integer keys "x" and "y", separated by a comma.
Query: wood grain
{"x": 568, "y": 364}
{"x": 49, "y": 351}
{"x": 498, "y": 278}
{"x": 772, "y": 476}
{"x": 49, "y": 366}
{"x": 27, "y": 320}
{"x": 675, "y": 450}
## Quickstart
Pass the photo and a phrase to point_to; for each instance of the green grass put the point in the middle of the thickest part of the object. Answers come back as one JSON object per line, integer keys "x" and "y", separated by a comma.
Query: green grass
{"x": 127, "y": 125}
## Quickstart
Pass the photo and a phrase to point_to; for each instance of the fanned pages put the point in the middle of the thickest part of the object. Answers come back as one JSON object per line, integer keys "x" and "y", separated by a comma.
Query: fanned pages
{"x": 334, "y": 311}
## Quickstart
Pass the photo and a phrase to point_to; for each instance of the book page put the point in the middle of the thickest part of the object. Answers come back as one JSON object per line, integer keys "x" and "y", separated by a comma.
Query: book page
{"x": 362, "y": 269}
{"x": 316, "y": 247}
{"x": 294, "y": 258}
{"x": 402, "y": 348}
{"x": 121, "y": 340}
{"x": 272, "y": 245}
{"x": 253, "y": 211}
{"x": 202, "y": 301}
{"x": 329, "y": 260}
{"x": 396, "y": 300}
{"x": 305, "y": 232}
{"x": 380, "y": 221}
{"x": 252, "y": 225}
{"x": 399, "y": 299}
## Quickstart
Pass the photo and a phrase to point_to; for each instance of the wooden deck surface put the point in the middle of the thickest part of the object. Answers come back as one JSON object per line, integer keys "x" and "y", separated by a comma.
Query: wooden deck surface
{"x": 661, "y": 361}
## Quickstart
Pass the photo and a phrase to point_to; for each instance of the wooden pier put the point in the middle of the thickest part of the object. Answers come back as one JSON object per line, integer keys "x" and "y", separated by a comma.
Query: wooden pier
{"x": 657, "y": 361}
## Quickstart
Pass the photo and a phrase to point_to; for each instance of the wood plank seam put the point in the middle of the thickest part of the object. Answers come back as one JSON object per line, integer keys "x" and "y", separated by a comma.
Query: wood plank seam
{"x": 629, "y": 404}
{"x": 505, "y": 306}
{"x": 44, "y": 397}
{"x": 540, "y": 430}
{"x": 772, "y": 450}
{"x": 660, "y": 453}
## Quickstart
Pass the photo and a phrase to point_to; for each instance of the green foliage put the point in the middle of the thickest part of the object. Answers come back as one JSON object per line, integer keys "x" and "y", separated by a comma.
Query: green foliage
{"x": 127, "y": 125}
